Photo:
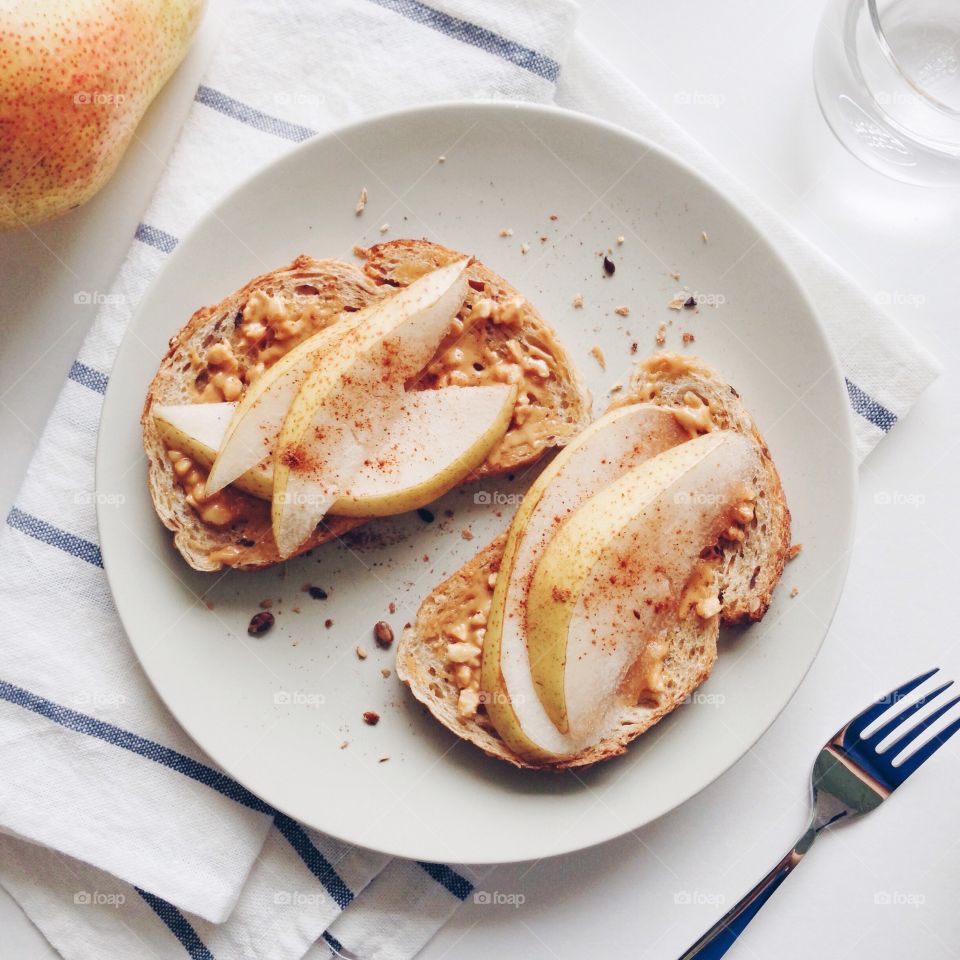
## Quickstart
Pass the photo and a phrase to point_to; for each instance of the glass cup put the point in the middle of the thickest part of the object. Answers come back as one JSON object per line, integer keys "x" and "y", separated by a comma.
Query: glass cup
{"x": 887, "y": 76}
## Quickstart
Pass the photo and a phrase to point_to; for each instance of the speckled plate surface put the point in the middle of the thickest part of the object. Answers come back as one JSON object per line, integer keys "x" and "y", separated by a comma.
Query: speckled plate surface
{"x": 275, "y": 711}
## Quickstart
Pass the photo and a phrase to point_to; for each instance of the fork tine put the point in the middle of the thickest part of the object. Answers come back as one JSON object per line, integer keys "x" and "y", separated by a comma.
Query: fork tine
{"x": 892, "y": 725}
{"x": 914, "y": 762}
{"x": 910, "y": 735}
{"x": 863, "y": 720}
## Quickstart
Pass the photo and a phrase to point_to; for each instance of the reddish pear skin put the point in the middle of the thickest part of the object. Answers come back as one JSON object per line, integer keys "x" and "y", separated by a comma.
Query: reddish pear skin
{"x": 76, "y": 77}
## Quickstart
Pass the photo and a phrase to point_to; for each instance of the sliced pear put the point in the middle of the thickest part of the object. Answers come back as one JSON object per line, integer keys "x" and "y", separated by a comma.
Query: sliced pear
{"x": 348, "y": 404}
{"x": 437, "y": 438}
{"x": 440, "y": 436}
{"x": 621, "y": 439}
{"x": 611, "y": 578}
{"x": 256, "y": 421}
{"x": 198, "y": 430}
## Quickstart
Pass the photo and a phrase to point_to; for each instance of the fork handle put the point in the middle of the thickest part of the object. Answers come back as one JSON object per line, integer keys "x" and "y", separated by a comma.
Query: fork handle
{"x": 720, "y": 937}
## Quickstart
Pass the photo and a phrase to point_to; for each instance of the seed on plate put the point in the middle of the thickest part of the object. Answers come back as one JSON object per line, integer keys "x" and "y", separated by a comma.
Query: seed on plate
{"x": 609, "y": 267}
{"x": 690, "y": 303}
{"x": 328, "y": 623}
{"x": 260, "y": 623}
{"x": 688, "y": 338}
{"x": 385, "y": 672}
{"x": 361, "y": 653}
{"x": 371, "y": 717}
{"x": 383, "y": 633}
{"x": 392, "y": 607}
{"x": 318, "y": 593}
{"x": 425, "y": 515}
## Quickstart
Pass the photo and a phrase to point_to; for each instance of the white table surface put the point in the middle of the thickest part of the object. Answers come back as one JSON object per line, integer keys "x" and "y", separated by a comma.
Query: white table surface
{"x": 884, "y": 887}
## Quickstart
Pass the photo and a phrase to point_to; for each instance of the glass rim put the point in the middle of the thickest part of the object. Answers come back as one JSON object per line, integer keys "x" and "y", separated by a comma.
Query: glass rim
{"x": 895, "y": 63}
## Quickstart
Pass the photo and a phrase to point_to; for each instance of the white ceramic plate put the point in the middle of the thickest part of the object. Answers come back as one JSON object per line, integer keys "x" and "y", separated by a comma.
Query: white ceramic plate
{"x": 274, "y": 711}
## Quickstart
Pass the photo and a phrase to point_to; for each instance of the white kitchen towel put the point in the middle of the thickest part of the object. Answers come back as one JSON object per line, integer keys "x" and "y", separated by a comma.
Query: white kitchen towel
{"x": 123, "y": 838}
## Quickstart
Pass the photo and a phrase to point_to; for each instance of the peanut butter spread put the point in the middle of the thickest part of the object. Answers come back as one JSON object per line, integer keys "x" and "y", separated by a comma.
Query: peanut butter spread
{"x": 487, "y": 345}
{"x": 457, "y": 636}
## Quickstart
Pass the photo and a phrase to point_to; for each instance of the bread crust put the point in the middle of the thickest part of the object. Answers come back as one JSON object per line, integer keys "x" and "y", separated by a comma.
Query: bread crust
{"x": 333, "y": 286}
{"x": 665, "y": 380}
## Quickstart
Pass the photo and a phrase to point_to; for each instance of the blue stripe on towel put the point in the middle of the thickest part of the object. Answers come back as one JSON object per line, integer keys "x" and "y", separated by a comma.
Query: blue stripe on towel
{"x": 155, "y": 237}
{"x": 179, "y": 926}
{"x": 466, "y": 32}
{"x": 253, "y": 118}
{"x": 459, "y": 886}
{"x": 47, "y": 533}
{"x": 319, "y": 866}
{"x": 870, "y": 409}
{"x": 333, "y": 941}
{"x": 88, "y": 377}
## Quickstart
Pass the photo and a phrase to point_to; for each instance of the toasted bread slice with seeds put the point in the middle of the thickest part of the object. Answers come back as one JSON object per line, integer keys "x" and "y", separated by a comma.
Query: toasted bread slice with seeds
{"x": 224, "y": 347}
{"x": 745, "y": 576}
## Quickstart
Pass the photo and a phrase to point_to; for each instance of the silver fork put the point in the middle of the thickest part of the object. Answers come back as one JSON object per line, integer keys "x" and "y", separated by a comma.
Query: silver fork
{"x": 850, "y": 777}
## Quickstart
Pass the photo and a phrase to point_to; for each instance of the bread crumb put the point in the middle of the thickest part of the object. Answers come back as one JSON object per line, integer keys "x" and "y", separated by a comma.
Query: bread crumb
{"x": 345, "y": 744}
{"x": 466, "y": 533}
{"x": 620, "y": 241}
{"x": 361, "y": 653}
{"x": 384, "y": 227}
{"x": 543, "y": 238}
{"x": 794, "y": 551}
{"x": 506, "y": 232}
{"x": 675, "y": 275}
{"x": 688, "y": 338}
{"x": 623, "y": 310}
{"x": 384, "y": 672}
{"x": 661, "y": 336}
{"x": 392, "y": 607}
{"x": 703, "y": 234}
{"x": 793, "y": 591}
{"x": 361, "y": 202}
{"x": 636, "y": 346}
{"x": 553, "y": 216}
{"x": 597, "y": 355}
{"x": 678, "y": 301}
{"x": 616, "y": 388}
{"x": 578, "y": 301}
{"x": 524, "y": 247}
{"x": 441, "y": 159}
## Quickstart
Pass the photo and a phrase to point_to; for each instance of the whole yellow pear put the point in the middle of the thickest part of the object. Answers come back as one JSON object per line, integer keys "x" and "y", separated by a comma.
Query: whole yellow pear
{"x": 76, "y": 76}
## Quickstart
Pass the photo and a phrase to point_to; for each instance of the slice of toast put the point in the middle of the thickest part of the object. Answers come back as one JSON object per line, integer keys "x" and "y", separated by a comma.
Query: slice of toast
{"x": 746, "y": 573}
{"x": 218, "y": 353}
